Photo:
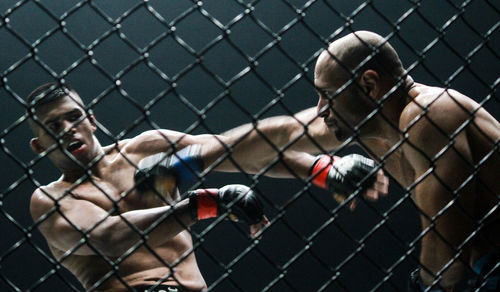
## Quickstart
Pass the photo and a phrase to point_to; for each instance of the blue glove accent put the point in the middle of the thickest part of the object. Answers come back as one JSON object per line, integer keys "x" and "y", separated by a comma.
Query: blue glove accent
{"x": 415, "y": 284}
{"x": 187, "y": 164}
{"x": 484, "y": 266}
{"x": 423, "y": 287}
{"x": 183, "y": 166}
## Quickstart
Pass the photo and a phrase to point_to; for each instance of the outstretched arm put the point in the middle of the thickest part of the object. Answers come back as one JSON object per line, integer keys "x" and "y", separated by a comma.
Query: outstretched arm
{"x": 279, "y": 146}
{"x": 281, "y": 141}
{"x": 286, "y": 142}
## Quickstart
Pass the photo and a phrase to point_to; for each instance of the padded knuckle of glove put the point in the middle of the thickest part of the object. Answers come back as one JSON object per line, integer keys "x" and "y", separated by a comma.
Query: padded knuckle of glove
{"x": 181, "y": 166}
{"x": 149, "y": 168}
{"x": 345, "y": 175}
{"x": 236, "y": 200}
{"x": 242, "y": 202}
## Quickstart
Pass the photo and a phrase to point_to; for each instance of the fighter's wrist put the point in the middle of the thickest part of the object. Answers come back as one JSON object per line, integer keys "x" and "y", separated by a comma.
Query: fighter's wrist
{"x": 203, "y": 204}
{"x": 239, "y": 202}
{"x": 320, "y": 169}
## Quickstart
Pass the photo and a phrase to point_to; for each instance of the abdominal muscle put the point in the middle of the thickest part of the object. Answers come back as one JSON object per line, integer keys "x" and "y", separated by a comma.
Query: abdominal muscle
{"x": 142, "y": 267}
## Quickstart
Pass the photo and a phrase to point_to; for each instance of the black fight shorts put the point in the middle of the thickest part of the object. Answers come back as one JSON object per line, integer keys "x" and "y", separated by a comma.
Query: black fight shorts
{"x": 161, "y": 288}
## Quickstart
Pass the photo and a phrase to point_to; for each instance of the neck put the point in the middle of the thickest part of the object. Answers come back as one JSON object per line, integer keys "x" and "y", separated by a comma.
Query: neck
{"x": 72, "y": 175}
{"x": 386, "y": 124}
{"x": 97, "y": 164}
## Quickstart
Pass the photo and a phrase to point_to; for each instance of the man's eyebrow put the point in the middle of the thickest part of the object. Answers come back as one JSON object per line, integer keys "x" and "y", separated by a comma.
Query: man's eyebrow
{"x": 46, "y": 122}
{"x": 76, "y": 110}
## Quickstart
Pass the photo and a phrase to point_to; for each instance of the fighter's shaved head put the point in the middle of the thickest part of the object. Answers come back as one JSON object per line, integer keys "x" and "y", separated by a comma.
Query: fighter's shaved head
{"x": 358, "y": 52}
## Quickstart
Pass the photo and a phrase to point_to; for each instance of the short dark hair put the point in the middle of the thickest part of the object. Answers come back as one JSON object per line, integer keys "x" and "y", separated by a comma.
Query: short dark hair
{"x": 42, "y": 95}
{"x": 47, "y": 93}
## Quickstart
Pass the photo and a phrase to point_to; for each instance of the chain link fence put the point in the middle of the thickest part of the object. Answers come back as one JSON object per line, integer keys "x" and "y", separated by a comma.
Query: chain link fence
{"x": 206, "y": 67}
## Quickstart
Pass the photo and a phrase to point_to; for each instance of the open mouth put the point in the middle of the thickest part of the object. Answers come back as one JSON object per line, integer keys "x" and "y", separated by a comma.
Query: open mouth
{"x": 73, "y": 146}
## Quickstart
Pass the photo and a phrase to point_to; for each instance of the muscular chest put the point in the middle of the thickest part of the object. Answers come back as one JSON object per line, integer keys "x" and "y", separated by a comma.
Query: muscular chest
{"x": 116, "y": 193}
{"x": 105, "y": 194}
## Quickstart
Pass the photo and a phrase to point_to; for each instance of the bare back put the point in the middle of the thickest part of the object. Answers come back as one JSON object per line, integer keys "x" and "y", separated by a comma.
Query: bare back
{"x": 452, "y": 152}
{"x": 451, "y": 110}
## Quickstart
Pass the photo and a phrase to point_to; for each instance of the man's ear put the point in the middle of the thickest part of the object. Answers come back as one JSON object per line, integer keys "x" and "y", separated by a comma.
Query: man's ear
{"x": 92, "y": 121}
{"x": 36, "y": 146}
{"x": 369, "y": 81}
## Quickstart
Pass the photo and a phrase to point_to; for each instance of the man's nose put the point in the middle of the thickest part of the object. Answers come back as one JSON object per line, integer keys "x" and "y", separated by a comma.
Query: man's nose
{"x": 69, "y": 127}
{"x": 323, "y": 108}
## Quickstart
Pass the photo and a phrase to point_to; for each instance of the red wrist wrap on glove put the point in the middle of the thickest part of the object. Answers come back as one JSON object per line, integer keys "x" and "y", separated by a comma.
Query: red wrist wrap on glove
{"x": 320, "y": 169}
{"x": 207, "y": 203}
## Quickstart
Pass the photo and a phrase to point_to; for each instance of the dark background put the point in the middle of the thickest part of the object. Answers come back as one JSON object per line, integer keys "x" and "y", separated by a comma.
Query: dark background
{"x": 351, "y": 253}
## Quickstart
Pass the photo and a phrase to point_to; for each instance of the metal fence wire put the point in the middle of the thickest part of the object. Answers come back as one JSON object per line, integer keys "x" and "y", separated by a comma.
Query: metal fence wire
{"x": 205, "y": 67}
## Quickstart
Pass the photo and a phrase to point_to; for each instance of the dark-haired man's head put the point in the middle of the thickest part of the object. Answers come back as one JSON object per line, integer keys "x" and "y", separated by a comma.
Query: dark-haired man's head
{"x": 45, "y": 95}
{"x": 48, "y": 92}
{"x": 61, "y": 125}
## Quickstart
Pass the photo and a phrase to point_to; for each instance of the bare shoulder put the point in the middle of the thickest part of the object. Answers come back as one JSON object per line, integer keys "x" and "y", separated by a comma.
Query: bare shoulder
{"x": 437, "y": 109}
{"x": 435, "y": 117}
{"x": 118, "y": 146}
{"x": 154, "y": 141}
{"x": 45, "y": 198}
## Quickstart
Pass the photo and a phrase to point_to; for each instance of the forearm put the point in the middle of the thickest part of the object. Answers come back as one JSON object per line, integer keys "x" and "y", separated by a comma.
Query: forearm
{"x": 158, "y": 225}
{"x": 264, "y": 159}
{"x": 117, "y": 234}
{"x": 253, "y": 147}
{"x": 248, "y": 147}
{"x": 295, "y": 132}
{"x": 291, "y": 164}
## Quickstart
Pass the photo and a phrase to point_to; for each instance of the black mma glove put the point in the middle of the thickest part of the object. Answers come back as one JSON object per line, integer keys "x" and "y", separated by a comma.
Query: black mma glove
{"x": 178, "y": 169}
{"x": 238, "y": 200}
{"x": 343, "y": 175}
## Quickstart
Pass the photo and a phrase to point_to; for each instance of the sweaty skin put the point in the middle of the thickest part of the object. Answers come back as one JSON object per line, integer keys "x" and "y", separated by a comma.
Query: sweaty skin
{"x": 412, "y": 134}
{"x": 94, "y": 220}
{"x": 92, "y": 204}
{"x": 104, "y": 204}
{"x": 473, "y": 149}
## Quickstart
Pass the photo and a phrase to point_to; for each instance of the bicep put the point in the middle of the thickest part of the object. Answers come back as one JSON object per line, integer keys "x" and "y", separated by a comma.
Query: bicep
{"x": 156, "y": 141}
{"x": 254, "y": 145}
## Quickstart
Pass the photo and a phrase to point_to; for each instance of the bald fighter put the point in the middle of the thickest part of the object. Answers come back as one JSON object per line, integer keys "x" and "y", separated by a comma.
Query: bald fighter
{"x": 115, "y": 217}
{"x": 437, "y": 143}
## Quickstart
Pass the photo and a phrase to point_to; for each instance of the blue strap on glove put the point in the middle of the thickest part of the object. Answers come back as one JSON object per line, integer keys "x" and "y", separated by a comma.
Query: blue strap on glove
{"x": 487, "y": 272}
{"x": 183, "y": 166}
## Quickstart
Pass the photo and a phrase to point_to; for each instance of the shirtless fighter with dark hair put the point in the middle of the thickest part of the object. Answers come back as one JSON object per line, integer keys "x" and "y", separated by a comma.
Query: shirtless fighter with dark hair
{"x": 115, "y": 217}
